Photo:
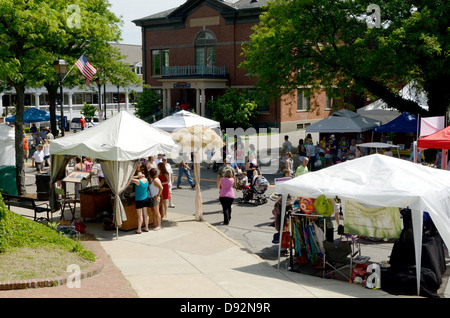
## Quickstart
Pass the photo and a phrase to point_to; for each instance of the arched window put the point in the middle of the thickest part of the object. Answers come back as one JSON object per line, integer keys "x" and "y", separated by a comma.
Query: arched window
{"x": 205, "y": 49}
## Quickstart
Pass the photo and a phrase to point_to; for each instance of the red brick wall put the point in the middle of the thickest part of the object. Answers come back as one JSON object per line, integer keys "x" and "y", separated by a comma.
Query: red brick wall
{"x": 182, "y": 50}
{"x": 228, "y": 53}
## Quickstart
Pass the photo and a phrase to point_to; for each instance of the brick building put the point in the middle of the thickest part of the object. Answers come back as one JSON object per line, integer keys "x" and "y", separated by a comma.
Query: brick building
{"x": 191, "y": 55}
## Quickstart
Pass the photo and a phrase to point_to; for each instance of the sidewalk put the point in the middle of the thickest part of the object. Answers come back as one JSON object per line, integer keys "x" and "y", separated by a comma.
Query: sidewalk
{"x": 187, "y": 259}
{"x": 191, "y": 259}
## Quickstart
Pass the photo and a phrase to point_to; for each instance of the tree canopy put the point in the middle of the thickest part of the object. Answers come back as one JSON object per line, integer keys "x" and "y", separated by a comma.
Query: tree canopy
{"x": 335, "y": 45}
{"x": 35, "y": 33}
{"x": 147, "y": 104}
{"x": 234, "y": 108}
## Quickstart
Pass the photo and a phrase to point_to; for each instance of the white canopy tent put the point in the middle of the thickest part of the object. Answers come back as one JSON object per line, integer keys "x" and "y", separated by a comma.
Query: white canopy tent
{"x": 118, "y": 143}
{"x": 377, "y": 145}
{"x": 7, "y": 146}
{"x": 183, "y": 119}
{"x": 382, "y": 181}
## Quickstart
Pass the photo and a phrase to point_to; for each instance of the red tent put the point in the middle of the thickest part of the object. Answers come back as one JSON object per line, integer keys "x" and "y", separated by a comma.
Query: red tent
{"x": 438, "y": 140}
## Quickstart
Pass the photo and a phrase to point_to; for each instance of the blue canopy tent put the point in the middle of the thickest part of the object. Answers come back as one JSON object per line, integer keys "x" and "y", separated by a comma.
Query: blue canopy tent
{"x": 33, "y": 115}
{"x": 403, "y": 123}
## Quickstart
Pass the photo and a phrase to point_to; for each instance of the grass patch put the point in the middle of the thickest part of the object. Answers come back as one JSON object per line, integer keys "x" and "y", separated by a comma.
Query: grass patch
{"x": 29, "y": 249}
{"x": 34, "y": 263}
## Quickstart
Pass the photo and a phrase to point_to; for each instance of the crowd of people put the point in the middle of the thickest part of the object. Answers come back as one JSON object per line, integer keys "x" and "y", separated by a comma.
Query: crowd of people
{"x": 312, "y": 157}
{"x": 40, "y": 159}
{"x": 153, "y": 182}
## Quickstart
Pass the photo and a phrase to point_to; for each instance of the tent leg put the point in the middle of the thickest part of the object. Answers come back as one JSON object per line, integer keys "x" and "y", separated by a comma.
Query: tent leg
{"x": 417, "y": 220}
{"x": 283, "y": 213}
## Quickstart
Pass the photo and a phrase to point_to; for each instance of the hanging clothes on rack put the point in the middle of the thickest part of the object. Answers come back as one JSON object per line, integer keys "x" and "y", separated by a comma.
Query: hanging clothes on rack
{"x": 308, "y": 240}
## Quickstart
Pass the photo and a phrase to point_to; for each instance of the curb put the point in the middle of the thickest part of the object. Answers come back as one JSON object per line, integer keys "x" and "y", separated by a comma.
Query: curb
{"x": 94, "y": 269}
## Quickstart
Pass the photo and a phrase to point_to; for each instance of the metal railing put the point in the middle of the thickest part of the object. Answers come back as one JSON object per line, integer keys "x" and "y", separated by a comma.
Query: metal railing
{"x": 193, "y": 70}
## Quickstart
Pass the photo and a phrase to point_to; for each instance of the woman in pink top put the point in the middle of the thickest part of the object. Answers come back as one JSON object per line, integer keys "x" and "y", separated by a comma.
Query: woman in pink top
{"x": 88, "y": 162}
{"x": 226, "y": 195}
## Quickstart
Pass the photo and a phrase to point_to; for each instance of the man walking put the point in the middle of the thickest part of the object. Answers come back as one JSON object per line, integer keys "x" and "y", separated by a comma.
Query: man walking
{"x": 82, "y": 122}
{"x": 183, "y": 168}
{"x": 38, "y": 159}
{"x": 285, "y": 148}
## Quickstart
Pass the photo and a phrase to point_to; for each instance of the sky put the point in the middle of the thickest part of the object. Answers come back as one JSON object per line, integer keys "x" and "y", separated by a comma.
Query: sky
{"x": 129, "y": 10}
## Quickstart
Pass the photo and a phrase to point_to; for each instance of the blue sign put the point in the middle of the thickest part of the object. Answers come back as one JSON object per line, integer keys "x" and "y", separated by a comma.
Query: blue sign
{"x": 182, "y": 85}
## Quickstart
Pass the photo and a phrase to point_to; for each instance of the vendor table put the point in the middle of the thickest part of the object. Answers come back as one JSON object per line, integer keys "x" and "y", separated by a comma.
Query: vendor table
{"x": 93, "y": 200}
{"x": 132, "y": 220}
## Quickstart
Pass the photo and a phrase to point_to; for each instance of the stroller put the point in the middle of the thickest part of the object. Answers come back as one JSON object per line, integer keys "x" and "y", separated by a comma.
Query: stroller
{"x": 254, "y": 192}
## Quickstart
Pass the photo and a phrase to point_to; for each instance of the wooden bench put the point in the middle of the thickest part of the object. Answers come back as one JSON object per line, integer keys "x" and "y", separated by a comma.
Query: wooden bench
{"x": 27, "y": 203}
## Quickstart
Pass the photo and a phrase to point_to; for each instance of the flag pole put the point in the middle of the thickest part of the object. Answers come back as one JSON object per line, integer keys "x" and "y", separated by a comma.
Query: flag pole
{"x": 72, "y": 67}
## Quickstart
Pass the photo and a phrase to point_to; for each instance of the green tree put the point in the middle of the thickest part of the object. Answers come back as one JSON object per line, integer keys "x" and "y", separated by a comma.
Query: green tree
{"x": 234, "y": 108}
{"x": 329, "y": 44}
{"x": 97, "y": 28}
{"x": 88, "y": 111}
{"x": 35, "y": 33}
{"x": 26, "y": 29}
{"x": 147, "y": 104}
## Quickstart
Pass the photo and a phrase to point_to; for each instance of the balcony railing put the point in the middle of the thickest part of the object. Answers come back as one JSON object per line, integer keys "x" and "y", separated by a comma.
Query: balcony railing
{"x": 193, "y": 70}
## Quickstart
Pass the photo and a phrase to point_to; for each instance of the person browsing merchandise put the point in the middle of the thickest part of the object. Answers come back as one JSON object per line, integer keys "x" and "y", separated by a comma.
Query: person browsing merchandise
{"x": 141, "y": 200}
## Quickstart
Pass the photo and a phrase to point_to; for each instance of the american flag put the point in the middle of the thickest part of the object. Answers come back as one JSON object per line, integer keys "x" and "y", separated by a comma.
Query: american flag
{"x": 86, "y": 68}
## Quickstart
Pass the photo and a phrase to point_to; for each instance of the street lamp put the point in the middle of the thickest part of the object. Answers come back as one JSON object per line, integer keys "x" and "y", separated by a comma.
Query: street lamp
{"x": 99, "y": 82}
{"x": 60, "y": 66}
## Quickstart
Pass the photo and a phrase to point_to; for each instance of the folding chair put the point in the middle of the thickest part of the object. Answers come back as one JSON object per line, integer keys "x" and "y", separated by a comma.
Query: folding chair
{"x": 336, "y": 254}
{"x": 355, "y": 241}
{"x": 64, "y": 200}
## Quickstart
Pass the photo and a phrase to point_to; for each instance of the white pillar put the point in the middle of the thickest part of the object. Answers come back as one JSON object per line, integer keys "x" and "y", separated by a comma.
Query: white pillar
{"x": 169, "y": 100}
{"x": 203, "y": 102}
{"x": 1, "y": 104}
{"x": 36, "y": 100}
{"x": 127, "y": 100}
{"x": 70, "y": 105}
{"x": 197, "y": 101}
{"x": 164, "y": 98}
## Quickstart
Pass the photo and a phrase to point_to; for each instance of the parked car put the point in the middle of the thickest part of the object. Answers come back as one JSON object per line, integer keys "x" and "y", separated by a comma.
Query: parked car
{"x": 75, "y": 123}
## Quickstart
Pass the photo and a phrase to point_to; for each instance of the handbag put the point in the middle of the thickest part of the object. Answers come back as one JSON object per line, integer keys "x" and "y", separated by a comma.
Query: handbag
{"x": 285, "y": 240}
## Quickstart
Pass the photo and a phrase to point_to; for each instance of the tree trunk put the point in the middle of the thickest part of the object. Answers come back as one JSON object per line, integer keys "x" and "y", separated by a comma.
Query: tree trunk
{"x": 18, "y": 129}
{"x": 437, "y": 91}
{"x": 438, "y": 96}
{"x": 52, "y": 94}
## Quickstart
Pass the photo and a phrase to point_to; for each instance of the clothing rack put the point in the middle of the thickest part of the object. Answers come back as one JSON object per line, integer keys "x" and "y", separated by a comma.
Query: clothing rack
{"x": 291, "y": 231}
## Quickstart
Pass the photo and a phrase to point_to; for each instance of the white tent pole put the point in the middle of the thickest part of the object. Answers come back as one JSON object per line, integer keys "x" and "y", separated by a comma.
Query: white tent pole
{"x": 117, "y": 164}
{"x": 283, "y": 213}
{"x": 417, "y": 221}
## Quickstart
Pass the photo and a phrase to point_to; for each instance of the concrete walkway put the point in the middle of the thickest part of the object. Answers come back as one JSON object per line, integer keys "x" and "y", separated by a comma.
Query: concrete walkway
{"x": 191, "y": 259}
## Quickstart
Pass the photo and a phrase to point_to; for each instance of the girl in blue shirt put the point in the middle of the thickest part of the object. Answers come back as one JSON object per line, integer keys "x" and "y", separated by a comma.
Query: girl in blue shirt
{"x": 141, "y": 199}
